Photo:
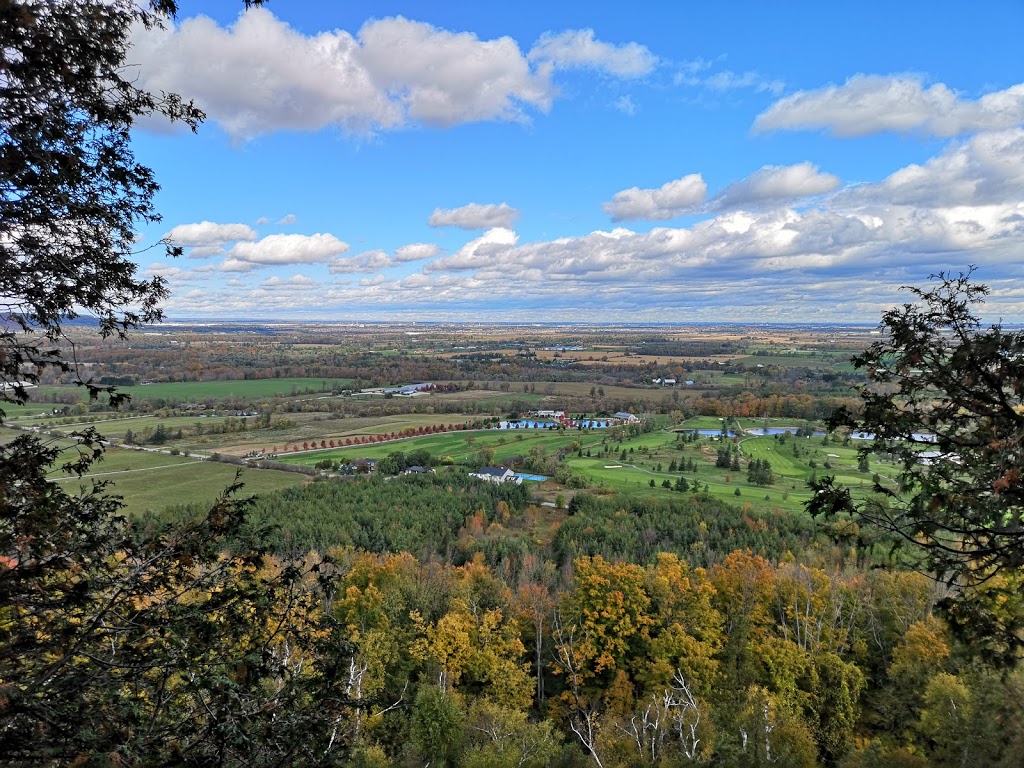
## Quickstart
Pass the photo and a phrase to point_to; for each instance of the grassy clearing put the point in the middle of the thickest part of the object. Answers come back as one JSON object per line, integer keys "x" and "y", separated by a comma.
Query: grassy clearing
{"x": 127, "y": 460}
{"x": 702, "y": 422}
{"x": 13, "y": 411}
{"x": 116, "y": 427}
{"x": 151, "y": 480}
{"x": 188, "y": 482}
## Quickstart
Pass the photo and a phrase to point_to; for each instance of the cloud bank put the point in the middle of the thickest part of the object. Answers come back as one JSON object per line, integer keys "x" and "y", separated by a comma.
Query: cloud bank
{"x": 760, "y": 248}
{"x": 868, "y": 104}
{"x": 267, "y": 76}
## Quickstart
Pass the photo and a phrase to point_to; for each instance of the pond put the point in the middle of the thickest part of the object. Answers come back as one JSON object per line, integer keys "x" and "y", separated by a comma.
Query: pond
{"x": 574, "y": 424}
{"x": 920, "y": 437}
{"x": 760, "y": 431}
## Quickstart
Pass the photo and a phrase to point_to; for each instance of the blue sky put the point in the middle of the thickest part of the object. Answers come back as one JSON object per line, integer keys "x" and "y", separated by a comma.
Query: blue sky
{"x": 664, "y": 161}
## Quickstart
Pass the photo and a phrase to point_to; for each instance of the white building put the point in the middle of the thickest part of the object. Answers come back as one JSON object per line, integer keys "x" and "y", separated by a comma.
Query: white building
{"x": 497, "y": 475}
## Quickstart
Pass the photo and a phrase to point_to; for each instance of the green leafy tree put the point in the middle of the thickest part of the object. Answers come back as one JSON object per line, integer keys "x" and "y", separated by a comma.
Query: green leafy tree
{"x": 72, "y": 193}
{"x": 160, "y": 647}
{"x": 759, "y": 472}
{"x": 115, "y": 647}
{"x": 940, "y": 381}
{"x": 436, "y": 725}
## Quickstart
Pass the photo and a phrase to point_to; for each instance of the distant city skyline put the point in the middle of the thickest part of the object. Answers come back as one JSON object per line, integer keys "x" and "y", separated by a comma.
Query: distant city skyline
{"x": 670, "y": 163}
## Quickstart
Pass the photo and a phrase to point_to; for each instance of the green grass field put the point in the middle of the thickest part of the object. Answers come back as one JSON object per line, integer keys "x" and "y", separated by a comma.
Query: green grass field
{"x": 13, "y": 411}
{"x": 117, "y": 426}
{"x": 702, "y": 422}
{"x": 506, "y": 445}
{"x": 190, "y": 391}
{"x": 788, "y": 492}
{"x": 194, "y": 391}
{"x": 154, "y": 481}
{"x": 634, "y": 473}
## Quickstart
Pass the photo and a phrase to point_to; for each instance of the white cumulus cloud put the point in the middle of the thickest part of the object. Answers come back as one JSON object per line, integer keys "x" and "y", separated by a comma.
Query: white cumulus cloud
{"x": 671, "y": 199}
{"x": 208, "y": 233}
{"x": 579, "y": 48}
{"x": 284, "y": 249}
{"x": 488, "y": 249}
{"x": 868, "y": 104}
{"x": 987, "y": 169}
{"x": 267, "y": 76}
{"x": 475, "y": 216}
{"x": 775, "y": 184}
{"x": 444, "y": 78}
{"x": 416, "y": 251}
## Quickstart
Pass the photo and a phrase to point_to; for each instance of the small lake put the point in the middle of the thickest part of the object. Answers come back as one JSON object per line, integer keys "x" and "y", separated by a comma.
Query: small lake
{"x": 921, "y": 437}
{"x": 760, "y": 431}
{"x": 757, "y": 432}
{"x": 574, "y": 424}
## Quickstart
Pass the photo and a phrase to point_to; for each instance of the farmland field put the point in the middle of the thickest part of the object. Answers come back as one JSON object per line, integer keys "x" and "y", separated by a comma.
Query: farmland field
{"x": 195, "y": 391}
{"x": 154, "y": 481}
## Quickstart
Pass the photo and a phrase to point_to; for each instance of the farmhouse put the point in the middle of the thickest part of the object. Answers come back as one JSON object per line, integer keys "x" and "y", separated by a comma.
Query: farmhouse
{"x": 629, "y": 418}
{"x": 547, "y": 414}
{"x": 497, "y": 475}
{"x": 409, "y": 390}
{"x": 359, "y": 466}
